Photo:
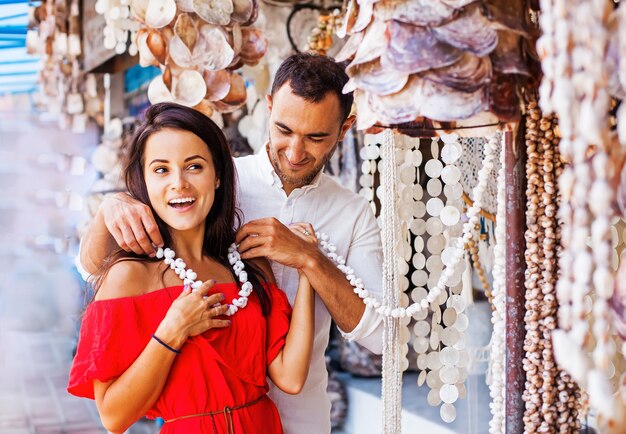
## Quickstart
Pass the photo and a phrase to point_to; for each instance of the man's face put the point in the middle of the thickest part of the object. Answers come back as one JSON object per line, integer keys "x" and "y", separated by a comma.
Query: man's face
{"x": 303, "y": 135}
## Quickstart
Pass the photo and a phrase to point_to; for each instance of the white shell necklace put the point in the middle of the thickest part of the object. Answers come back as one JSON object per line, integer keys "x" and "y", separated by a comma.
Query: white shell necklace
{"x": 189, "y": 276}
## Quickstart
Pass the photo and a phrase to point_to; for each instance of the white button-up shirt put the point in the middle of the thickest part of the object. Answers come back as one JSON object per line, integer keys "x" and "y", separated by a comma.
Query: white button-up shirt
{"x": 350, "y": 223}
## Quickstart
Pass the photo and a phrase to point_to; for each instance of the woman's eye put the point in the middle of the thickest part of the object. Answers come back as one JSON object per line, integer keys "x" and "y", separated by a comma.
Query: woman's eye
{"x": 315, "y": 140}
{"x": 195, "y": 167}
{"x": 160, "y": 170}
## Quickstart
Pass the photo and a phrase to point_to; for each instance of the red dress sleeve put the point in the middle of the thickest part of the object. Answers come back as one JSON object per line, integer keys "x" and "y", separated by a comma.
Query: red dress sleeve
{"x": 113, "y": 334}
{"x": 277, "y": 321}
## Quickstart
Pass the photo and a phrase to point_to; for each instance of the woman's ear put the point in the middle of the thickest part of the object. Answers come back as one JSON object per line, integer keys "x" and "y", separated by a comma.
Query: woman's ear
{"x": 217, "y": 184}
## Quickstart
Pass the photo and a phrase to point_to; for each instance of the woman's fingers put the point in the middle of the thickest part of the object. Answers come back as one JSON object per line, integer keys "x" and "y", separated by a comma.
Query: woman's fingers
{"x": 204, "y": 288}
{"x": 217, "y": 323}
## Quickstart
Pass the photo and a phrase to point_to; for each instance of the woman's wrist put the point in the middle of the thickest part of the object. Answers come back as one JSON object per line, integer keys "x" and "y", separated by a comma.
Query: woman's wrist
{"x": 170, "y": 336}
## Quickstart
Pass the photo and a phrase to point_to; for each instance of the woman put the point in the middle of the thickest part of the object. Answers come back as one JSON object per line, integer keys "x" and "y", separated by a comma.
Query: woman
{"x": 148, "y": 345}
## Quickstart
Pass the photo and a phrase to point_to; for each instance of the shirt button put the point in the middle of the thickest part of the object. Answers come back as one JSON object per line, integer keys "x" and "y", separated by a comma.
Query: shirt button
{"x": 289, "y": 202}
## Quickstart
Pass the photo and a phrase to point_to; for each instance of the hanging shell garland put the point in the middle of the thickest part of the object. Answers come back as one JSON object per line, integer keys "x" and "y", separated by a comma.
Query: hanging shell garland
{"x": 198, "y": 45}
{"x": 552, "y": 399}
{"x": 574, "y": 88}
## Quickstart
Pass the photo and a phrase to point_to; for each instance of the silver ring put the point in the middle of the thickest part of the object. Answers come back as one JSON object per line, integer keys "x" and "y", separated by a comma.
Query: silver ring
{"x": 306, "y": 233}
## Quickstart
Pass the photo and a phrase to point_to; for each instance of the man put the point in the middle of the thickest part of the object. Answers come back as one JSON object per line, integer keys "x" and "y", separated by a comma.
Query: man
{"x": 281, "y": 185}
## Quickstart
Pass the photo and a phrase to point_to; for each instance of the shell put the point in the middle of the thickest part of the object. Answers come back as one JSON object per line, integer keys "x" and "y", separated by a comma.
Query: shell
{"x": 157, "y": 45}
{"x": 185, "y": 29}
{"x": 470, "y": 31}
{"x": 158, "y": 92}
{"x": 254, "y": 45}
{"x": 218, "y": 53}
{"x": 417, "y": 12}
{"x": 215, "y": 12}
{"x": 217, "y": 83}
{"x": 189, "y": 88}
{"x": 160, "y": 13}
{"x": 244, "y": 12}
{"x": 412, "y": 49}
{"x": 146, "y": 58}
{"x": 138, "y": 9}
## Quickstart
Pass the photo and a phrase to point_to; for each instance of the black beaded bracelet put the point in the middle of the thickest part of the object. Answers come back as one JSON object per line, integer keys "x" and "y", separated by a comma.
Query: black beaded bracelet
{"x": 166, "y": 345}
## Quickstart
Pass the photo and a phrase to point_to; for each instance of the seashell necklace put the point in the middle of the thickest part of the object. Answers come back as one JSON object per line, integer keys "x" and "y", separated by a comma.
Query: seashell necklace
{"x": 188, "y": 276}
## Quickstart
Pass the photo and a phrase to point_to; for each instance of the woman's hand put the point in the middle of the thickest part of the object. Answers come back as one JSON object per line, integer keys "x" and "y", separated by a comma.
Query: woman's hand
{"x": 192, "y": 313}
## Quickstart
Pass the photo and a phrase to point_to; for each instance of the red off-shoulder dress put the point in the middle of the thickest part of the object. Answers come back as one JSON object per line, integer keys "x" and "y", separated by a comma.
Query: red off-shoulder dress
{"x": 223, "y": 367}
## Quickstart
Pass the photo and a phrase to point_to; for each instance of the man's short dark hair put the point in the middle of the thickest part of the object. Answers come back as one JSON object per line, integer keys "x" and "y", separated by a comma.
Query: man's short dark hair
{"x": 312, "y": 76}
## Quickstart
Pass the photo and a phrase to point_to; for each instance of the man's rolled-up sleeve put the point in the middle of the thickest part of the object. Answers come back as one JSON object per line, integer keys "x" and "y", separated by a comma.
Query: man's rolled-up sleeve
{"x": 365, "y": 256}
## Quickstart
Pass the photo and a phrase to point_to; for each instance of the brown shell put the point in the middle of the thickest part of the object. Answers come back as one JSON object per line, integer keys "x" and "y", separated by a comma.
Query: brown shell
{"x": 470, "y": 31}
{"x": 468, "y": 74}
{"x": 157, "y": 45}
{"x": 205, "y": 107}
{"x": 167, "y": 77}
{"x": 414, "y": 49}
{"x": 507, "y": 15}
{"x": 503, "y": 98}
{"x": 350, "y": 47}
{"x": 372, "y": 77}
{"x": 254, "y": 45}
{"x": 214, "y": 11}
{"x": 217, "y": 84}
{"x": 508, "y": 57}
{"x": 185, "y": 28}
{"x": 244, "y": 12}
{"x": 417, "y": 12}
{"x": 146, "y": 58}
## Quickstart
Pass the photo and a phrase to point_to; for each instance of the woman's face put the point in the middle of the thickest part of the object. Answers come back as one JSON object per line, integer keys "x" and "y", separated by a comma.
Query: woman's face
{"x": 180, "y": 178}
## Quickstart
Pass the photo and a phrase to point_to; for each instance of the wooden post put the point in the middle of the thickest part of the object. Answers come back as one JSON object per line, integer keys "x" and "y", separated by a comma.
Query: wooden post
{"x": 515, "y": 183}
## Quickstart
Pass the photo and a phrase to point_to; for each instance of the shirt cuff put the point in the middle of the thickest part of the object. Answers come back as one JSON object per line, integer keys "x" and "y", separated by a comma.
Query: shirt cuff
{"x": 368, "y": 331}
{"x": 79, "y": 267}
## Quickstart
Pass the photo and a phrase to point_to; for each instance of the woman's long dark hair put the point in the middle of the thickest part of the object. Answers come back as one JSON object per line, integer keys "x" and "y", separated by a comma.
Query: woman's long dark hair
{"x": 223, "y": 219}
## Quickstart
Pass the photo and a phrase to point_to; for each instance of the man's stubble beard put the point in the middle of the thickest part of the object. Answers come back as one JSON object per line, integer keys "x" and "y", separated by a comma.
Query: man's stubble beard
{"x": 302, "y": 181}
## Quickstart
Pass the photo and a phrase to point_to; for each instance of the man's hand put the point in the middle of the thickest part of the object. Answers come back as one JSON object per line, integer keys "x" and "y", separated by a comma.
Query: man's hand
{"x": 289, "y": 246}
{"x": 131, "y": 223}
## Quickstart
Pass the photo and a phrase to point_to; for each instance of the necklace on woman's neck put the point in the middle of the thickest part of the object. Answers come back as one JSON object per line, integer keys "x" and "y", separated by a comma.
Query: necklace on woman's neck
{"x": 189, "y": 276}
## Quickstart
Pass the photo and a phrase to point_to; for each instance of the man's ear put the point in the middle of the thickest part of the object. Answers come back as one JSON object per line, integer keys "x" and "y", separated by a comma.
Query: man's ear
{"x": 347, "y": 124}
{"x": 268, "y": 98}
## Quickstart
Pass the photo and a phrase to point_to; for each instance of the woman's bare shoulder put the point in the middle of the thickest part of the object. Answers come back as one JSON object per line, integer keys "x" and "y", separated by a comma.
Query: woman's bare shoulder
{"x": 126, "y": 278}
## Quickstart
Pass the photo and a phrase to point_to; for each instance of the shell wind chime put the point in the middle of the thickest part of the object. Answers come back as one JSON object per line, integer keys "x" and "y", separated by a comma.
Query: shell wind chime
{"x": 198, "y": 44}
{"x": 446, "y": 61}
{"x": 433, "y": 233}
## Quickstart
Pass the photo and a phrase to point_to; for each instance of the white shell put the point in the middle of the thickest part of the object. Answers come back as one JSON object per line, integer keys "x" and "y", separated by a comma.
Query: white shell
{"x": 450, "y": 216}
{"x": 434, "y": 206}
{"x": 449, "y": 393}
{"x": 160, "y": 13}
{"x": 447, "y": 413}
{"x": 433, "y": 168}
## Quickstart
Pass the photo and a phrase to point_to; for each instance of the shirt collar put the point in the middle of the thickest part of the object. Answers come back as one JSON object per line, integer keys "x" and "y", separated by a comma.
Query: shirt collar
{"x": 270, "y": 175}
